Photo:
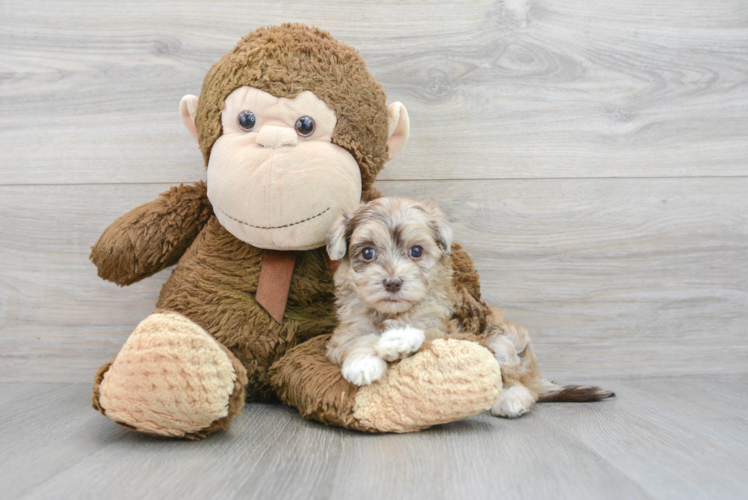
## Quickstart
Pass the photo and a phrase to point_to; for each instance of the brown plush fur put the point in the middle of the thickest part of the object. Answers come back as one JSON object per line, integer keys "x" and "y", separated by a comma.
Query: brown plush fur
{"x": 289, "y": 59}
{"x": 98, "y": 378}
{"x": 215, "y": 281}
{"x": 329, "y": 399}
{"x": 153, "y": 236}
{"x": 215, "y": 284}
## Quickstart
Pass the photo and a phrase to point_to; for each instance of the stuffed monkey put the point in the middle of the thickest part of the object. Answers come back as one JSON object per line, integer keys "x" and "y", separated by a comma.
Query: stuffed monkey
{"x": 293, "y": 129}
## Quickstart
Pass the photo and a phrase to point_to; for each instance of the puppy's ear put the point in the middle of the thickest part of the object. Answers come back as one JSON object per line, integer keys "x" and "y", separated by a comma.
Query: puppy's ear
{"x": 440, "y": 228}
{"x": 337, "y": 238}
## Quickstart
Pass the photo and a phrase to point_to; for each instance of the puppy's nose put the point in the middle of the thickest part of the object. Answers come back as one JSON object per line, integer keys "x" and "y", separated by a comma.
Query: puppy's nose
{"x": 393, "y": 285}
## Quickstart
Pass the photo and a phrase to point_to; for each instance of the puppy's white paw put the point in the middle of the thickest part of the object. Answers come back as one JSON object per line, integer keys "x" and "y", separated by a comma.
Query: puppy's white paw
{"x": 515, "y": 401}
{"x": 363, "y": 369}
{"x": 399, "y": 342}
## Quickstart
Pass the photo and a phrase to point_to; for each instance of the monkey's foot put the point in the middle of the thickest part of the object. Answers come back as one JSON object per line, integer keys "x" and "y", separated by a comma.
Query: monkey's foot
{"x": 447, "y": 380}
{"x": 171, "y": 379}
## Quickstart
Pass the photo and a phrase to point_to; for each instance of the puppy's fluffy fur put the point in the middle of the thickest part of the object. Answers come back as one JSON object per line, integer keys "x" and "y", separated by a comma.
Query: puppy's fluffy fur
{"x": 395, "y": 291}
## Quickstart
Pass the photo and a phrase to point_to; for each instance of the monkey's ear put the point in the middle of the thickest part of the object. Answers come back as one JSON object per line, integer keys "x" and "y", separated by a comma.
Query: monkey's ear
{"x": 440, "y": 228}
{"x": 399, "y": 128}
{"x": 188, "y": 111}
{"x": 337, "y": 238}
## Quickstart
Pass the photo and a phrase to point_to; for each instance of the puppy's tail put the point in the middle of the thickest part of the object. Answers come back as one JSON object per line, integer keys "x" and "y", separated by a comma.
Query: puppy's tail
{"x": 554, "y": 393}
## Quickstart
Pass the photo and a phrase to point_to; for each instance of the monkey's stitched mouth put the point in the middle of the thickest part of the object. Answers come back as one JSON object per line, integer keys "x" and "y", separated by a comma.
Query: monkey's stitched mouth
{"x": 274, "y": 227}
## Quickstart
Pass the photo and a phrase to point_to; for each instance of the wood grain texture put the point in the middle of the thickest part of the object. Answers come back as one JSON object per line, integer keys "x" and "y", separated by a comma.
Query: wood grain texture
{"x": 613, "y": 277}
{"x": 658, "y": 439}
{"x": 495, "y": 89}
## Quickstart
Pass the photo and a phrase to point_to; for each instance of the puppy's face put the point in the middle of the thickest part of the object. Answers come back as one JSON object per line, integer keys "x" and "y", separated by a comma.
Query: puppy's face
{"x": 393, "y": 249}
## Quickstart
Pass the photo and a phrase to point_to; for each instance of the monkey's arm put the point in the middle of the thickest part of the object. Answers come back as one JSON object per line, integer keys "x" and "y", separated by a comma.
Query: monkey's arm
{"x": 152, "y": 236}
{"x": 465, "y": 275}
{"x": 472, "y": 313}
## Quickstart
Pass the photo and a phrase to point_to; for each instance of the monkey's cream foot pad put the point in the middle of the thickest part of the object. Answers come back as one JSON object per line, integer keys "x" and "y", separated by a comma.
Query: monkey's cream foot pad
{"x": 447, "y": 380}
{"x": 171, "y": 378}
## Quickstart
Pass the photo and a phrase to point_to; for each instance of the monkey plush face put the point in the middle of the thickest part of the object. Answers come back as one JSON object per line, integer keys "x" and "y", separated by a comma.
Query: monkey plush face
{"x": 293, "y": 129}
{"x": 275, "y": 179}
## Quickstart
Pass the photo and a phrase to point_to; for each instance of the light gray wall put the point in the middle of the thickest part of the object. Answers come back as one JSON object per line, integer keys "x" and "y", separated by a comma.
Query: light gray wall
{"x": 592, "y": 155}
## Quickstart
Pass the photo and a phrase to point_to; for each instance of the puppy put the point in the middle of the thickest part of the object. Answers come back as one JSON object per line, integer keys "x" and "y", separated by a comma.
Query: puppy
{"x": 394, "y": 291}
{"x": 394, "y": 288}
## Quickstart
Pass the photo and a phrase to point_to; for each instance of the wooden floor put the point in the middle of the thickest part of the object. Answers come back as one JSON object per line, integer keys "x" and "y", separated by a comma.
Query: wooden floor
{"x": 661, "y": 438}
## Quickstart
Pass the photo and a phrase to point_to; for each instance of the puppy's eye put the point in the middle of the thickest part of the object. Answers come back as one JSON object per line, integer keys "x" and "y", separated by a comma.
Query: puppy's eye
{"x": 247, "y": 120}
{"x": 416, "y": 252}
{"x": 305, "y": 126}
{"x": 368, "y": 254}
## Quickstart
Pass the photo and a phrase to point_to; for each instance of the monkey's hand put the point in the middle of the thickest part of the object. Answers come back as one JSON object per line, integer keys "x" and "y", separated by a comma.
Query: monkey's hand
{"x": 152, "y": 236}
{"x": 399, "y": 343}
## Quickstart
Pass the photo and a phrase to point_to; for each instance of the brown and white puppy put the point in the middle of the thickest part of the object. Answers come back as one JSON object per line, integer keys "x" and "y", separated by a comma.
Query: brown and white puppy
{"x": 395, "y": 291}
{"x": 394, "y": 288}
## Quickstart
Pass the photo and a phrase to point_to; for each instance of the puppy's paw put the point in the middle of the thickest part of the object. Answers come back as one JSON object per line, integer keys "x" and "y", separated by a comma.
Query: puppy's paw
{"x": 515, "y": 401}
{"x": 363, "y": 369}
{"x": 399, "y": 342}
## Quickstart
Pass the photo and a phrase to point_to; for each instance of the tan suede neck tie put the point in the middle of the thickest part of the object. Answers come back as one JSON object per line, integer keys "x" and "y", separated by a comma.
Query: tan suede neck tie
{"x": 275, "y": 282}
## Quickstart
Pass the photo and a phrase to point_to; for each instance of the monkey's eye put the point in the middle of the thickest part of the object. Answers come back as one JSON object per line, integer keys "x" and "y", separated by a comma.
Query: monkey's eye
{"x": 368, "y": 254}
{"x": 305, "y": 126}
{"x": 416, "y": 252}
{"x": 247, "y": 120}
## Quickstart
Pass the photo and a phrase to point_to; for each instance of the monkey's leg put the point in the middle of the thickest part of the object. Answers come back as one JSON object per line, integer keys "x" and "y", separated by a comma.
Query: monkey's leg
{"x": 171, "y": 379}
{"x": 447, "y": 380}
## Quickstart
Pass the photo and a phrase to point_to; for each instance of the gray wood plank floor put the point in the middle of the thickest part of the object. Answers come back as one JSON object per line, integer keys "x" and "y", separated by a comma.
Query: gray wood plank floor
{"x": 661, "y": 438}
